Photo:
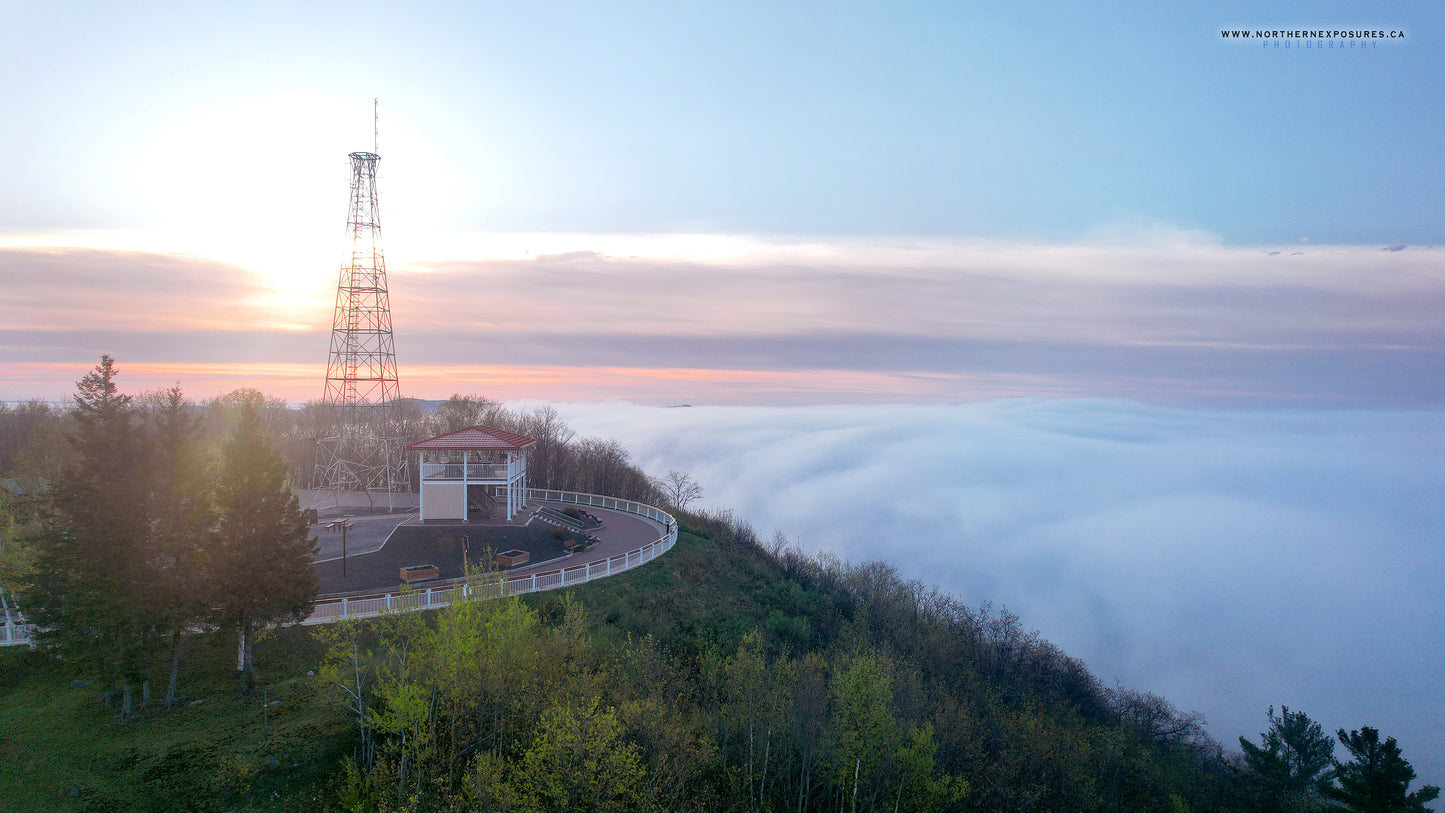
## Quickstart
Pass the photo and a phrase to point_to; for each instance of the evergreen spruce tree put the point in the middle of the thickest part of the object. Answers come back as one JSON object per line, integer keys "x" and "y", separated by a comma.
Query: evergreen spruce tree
{"x": 261, "y": 561}
{"x": 88, "y": 595}
{"x": 182, "y": 525}
{"x": 1378, "y": 779}
{"x": 1288, "y": 768}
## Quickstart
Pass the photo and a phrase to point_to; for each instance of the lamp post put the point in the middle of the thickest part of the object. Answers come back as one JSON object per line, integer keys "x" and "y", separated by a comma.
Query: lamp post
{"x": 344, "y": 527}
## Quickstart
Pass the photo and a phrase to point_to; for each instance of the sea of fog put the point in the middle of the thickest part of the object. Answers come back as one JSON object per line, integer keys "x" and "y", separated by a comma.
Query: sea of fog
{"x": 1228, "y": 560}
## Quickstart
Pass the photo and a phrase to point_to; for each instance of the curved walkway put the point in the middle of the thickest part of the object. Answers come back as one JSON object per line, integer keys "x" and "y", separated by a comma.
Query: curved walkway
{"x": 632, "y": 534}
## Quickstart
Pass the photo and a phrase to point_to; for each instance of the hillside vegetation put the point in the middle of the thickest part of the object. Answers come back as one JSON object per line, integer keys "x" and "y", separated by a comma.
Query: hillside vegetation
{"x": 727, "y": 675}
{"x": 721, "y": 677}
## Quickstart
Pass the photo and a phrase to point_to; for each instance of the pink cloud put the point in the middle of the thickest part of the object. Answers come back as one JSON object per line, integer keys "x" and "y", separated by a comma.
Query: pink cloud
{"x": 1171, "y": 321}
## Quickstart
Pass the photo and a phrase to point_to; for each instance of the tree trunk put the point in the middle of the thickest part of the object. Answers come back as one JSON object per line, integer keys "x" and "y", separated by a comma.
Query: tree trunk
{"x": 245, "y": 664}
{"x": 125, "y": 697}
{"x": 145, "y": 694}
{"x": 767, "y": 752}
{"x": 401, "y": 780}
{"x": 856, "y": 767}
{"x": 175, "y": 667}
{"x": 751, "y": 796}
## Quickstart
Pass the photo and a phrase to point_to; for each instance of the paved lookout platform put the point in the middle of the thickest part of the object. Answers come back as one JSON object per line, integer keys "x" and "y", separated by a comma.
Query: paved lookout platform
{"x": 375, "y": 566}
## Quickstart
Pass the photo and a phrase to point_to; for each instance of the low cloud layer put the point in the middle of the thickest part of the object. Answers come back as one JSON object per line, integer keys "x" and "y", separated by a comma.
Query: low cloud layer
{"x": 1173, "y": 320}
{"x": 1228, "y": 560}
{"x": 68, "y": 289}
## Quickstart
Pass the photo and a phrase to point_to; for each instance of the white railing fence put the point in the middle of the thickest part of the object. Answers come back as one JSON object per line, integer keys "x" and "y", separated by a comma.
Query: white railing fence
{"x": 433, "y": 598}
{"x": 18, "y": 632}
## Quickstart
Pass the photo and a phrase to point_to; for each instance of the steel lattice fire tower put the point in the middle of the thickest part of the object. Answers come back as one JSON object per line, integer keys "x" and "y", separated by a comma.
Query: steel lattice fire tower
{"x": 361, "y": 374}
{"x": 365, "y": 453}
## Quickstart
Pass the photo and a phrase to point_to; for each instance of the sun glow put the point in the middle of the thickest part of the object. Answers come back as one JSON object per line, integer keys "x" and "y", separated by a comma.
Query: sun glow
{"x": 261, "y": 182}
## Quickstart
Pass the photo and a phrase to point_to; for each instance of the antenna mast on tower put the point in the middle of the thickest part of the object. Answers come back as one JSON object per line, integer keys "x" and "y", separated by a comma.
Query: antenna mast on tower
{"x": 364, "y": 452}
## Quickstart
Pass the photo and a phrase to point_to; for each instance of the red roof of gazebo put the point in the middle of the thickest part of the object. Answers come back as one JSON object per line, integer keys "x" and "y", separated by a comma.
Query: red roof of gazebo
{"x": 476, "y": 438}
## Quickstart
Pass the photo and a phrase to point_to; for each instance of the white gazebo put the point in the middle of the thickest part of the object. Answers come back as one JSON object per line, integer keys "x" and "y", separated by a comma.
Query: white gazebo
{"x": 466, "y": 472}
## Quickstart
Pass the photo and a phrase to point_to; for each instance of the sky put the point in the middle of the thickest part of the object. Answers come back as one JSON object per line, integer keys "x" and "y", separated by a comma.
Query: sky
{"x": 1105, "y": 276}
{"x": 733, "y": 203}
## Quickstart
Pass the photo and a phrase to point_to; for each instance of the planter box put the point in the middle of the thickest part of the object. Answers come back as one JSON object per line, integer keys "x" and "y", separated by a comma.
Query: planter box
{"x": 512, "y": 558}
{"x": 419, "y": 573}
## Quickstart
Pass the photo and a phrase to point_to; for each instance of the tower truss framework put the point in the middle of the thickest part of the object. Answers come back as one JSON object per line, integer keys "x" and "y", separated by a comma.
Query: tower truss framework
{"x": 364, "y": 452}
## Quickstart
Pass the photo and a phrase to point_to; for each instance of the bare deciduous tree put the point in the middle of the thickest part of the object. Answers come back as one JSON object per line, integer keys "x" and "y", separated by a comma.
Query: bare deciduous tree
{"x": 679, "y": 489}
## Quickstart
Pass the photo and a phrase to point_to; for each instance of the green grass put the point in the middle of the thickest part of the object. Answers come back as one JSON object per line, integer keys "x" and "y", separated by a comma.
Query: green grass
{"x": 62, "y": 749}
{"x": 705, "y": 593}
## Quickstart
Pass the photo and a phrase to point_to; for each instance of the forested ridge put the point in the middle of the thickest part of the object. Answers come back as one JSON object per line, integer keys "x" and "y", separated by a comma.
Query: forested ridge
{"x": 734, "y": 673}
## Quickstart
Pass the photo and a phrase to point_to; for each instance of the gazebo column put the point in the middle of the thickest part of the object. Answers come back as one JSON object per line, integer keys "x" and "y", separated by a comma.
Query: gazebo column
{"x": 511, "y": 498}
{"x": 512, "y": 483}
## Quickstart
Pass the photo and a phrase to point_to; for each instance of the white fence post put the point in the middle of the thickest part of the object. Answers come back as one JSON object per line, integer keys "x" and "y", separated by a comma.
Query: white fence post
{"x": 343, "y": 606}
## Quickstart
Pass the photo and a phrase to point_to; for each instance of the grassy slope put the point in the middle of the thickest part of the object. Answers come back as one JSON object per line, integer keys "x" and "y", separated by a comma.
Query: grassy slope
{"x": 62, "y": 749}
{"x": 705, "y": 593}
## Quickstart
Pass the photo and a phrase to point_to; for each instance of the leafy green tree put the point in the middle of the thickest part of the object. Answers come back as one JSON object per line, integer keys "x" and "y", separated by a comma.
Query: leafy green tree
{"x": 925, "y": 787}
{"x": 863, "y": 735}
{"x": 808, "y": 723}
{"x": 17, "y": 556}
{"x": 403, "y": 704}
{"x": 261, "y": 560}
{"x": 1288, "y": 766}
{"x": 91, "y": 577}
{"x": 580, "y": 760}
{"x": 750, "y": 714}
{"x": 1378, "y": 779}
{"x": 347, "y": 667}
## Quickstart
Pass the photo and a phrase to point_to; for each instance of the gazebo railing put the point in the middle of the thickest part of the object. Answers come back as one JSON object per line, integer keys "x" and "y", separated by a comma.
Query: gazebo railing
{"x": 472, "y": 471}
